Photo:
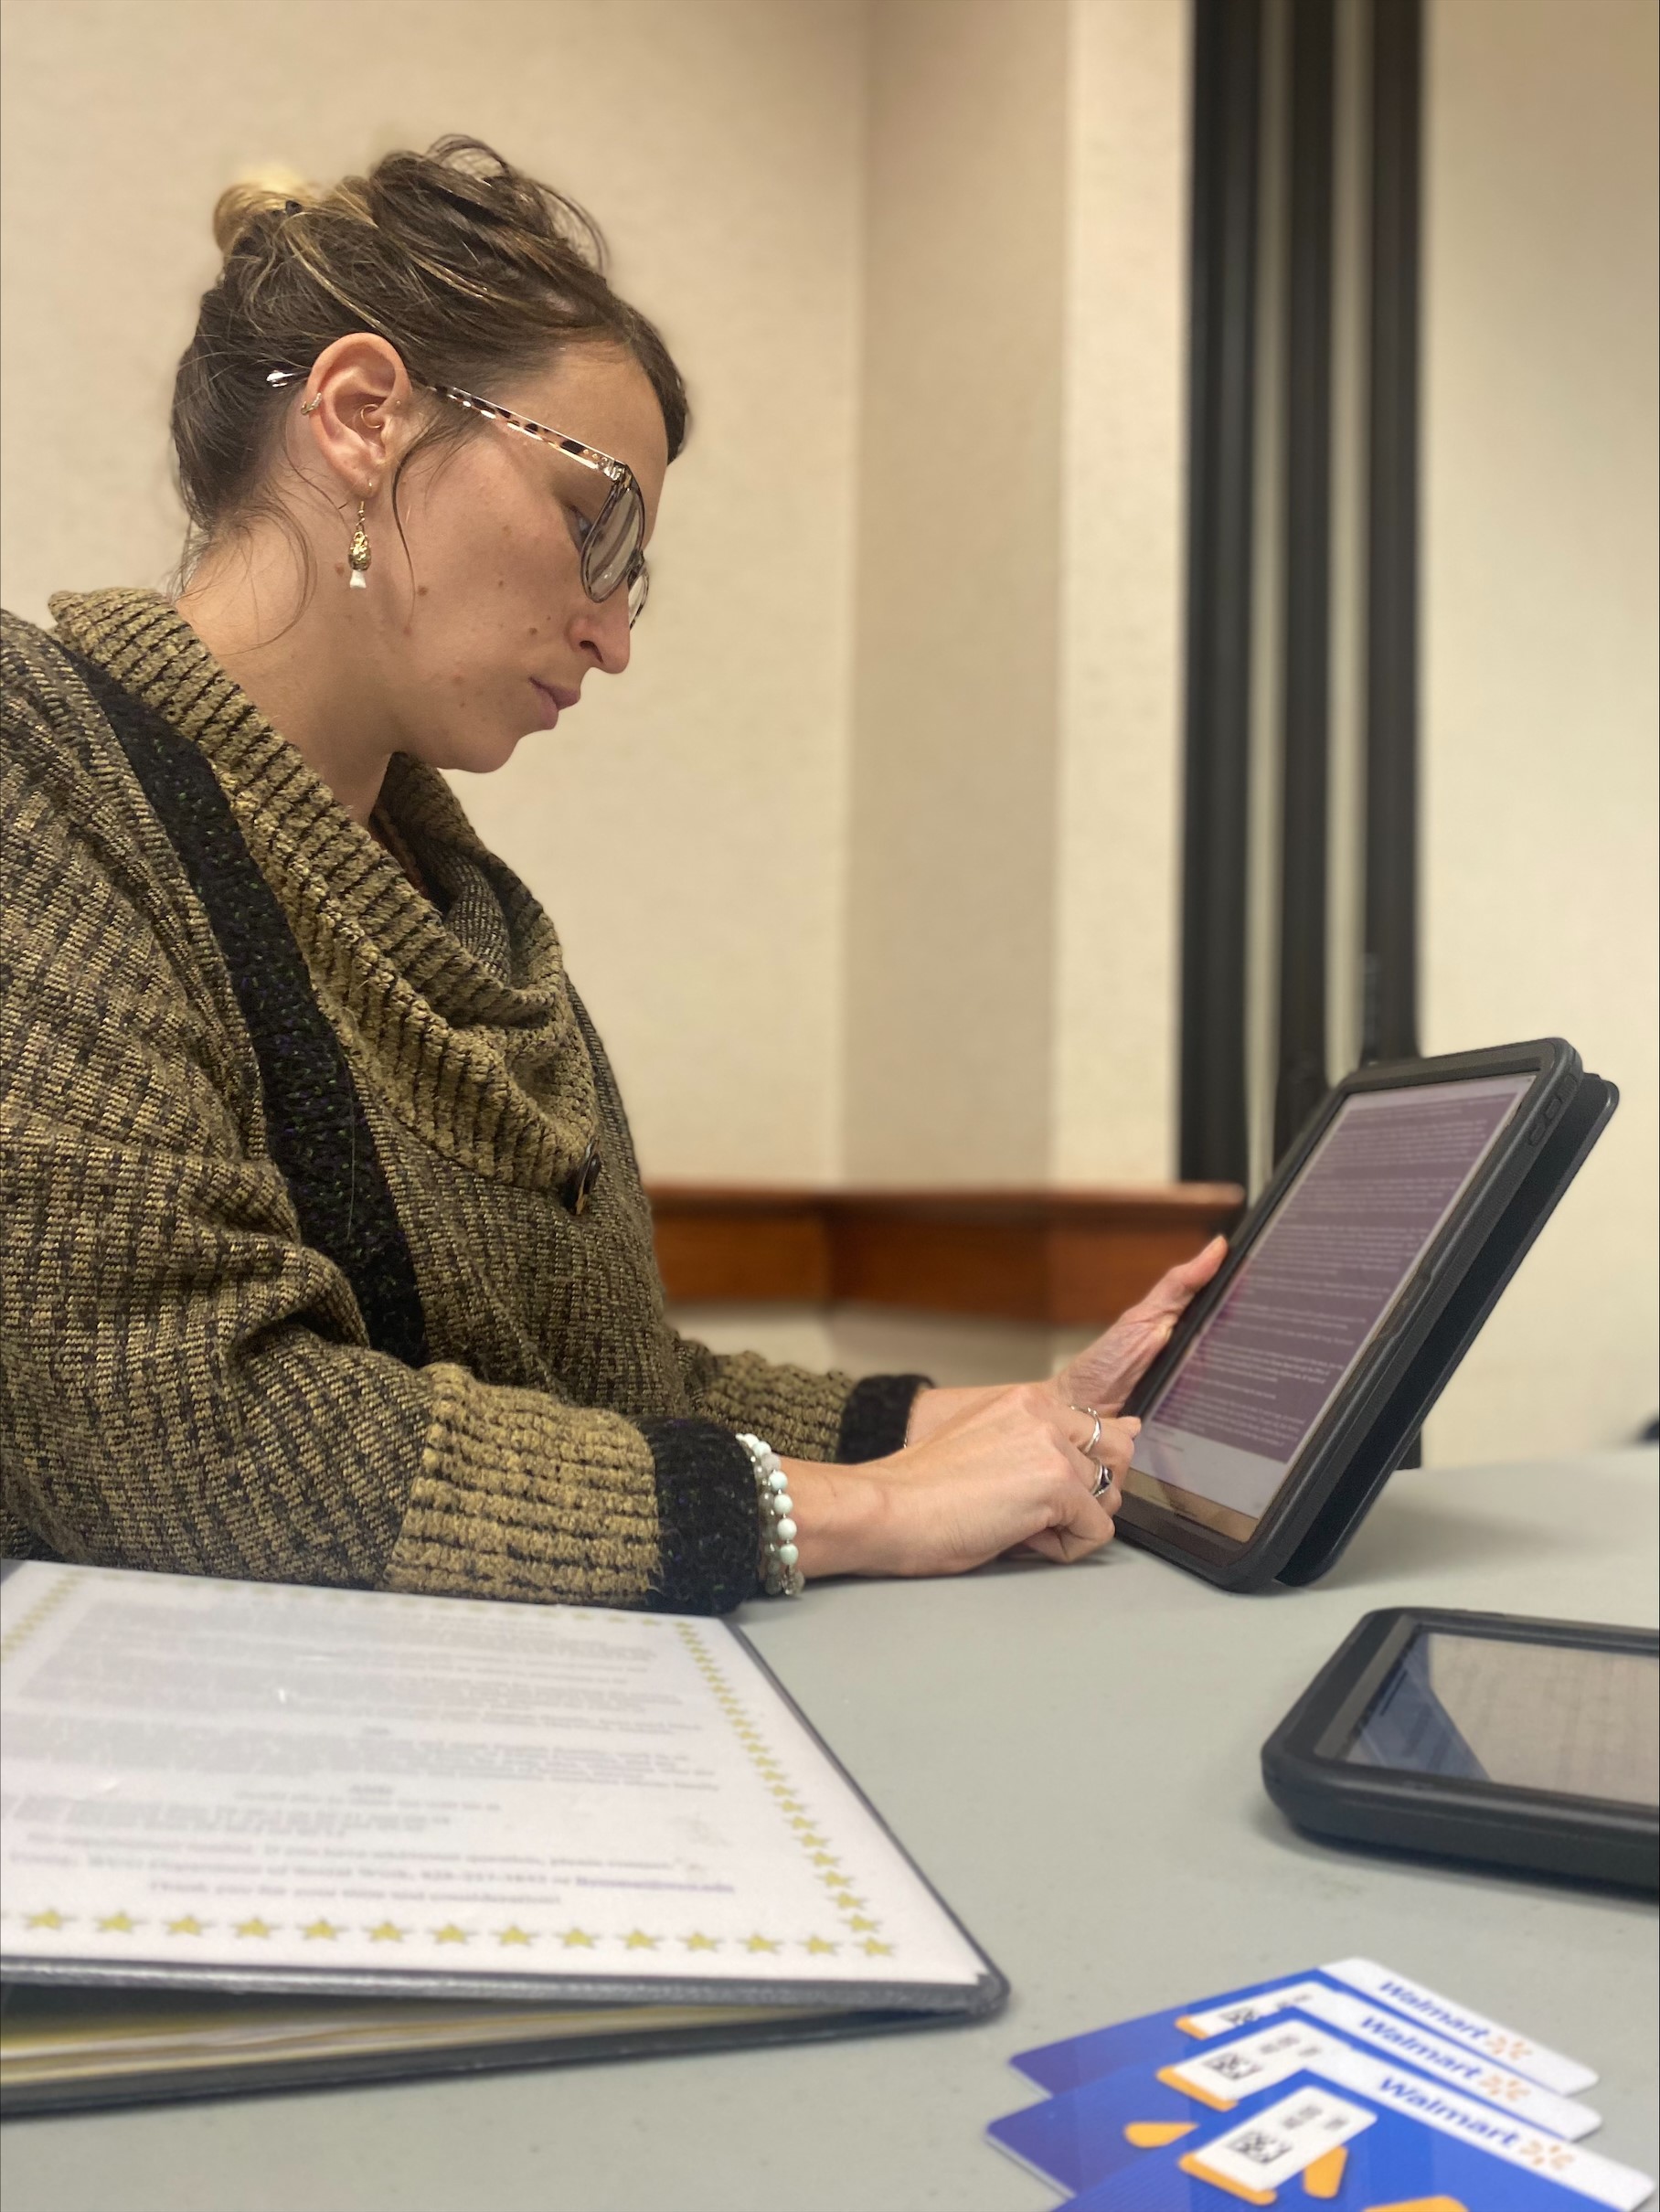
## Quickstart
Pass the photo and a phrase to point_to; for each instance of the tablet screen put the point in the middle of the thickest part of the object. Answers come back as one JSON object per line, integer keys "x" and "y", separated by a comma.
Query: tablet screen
{"x": 1311, "y": 1294}
{"x": 1558, "y": 1716}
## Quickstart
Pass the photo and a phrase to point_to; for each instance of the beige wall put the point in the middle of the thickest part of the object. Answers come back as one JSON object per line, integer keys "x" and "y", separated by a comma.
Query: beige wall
{"x": 1117, "y": 835}
{"x": 950, "y": 956}
{"x": 1012, "y": 947}
{"x": 1540, "y": 727}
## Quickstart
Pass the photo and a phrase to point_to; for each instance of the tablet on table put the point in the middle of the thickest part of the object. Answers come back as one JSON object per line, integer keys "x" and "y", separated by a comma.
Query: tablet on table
{"x": 1530, "y": 1744}
{"x": 1353, "y": 1288}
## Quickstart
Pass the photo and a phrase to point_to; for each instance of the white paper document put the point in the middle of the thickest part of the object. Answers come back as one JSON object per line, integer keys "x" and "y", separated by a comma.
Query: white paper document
{"x": 260, "y": 1780}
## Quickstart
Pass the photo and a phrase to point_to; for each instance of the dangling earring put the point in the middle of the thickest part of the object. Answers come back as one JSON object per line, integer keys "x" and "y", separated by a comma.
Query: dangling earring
{"x": 359, "y": 557}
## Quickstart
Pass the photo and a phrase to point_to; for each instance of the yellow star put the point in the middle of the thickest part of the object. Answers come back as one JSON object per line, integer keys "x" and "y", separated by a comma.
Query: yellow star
{"x": 817, "y": 1945}
{"x": 186, "y": 1924}
{"x": 118, "y": 1924}
{"x": 836, "y": 1881}
{"x": 513, "y": 1933}
{"x": 573, "y": 1937}
{"x": 637, "y": 1939}
{"x": 786, "y": 1804}
{"x": 809, "y": 1835}
{"x": 700, "y": 1942}
{"x": 848, "y": 1904}
{"x": 388, "y": 1932}
{"x": 760, "y": 1942}
{"x": 825, "y": 1858}
{"x": 450, "y": 1933}
{"x": 857, "y": 1922}
{"x": 256, "y": 1927}
{"x": 323, "y": 1930}
{"x": 872, "y": 1949}
{"x": 50, "y": 1917}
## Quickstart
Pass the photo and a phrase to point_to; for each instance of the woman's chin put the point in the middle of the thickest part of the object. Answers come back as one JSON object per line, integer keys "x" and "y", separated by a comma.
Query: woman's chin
{"x": 478, "y": 756}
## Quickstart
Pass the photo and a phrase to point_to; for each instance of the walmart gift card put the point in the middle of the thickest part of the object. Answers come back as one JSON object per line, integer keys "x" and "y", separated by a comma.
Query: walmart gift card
{"x": 1358, "y": 1997}
{"x": 1220, "y": 2120}
{"x": 1310, "y": 2146}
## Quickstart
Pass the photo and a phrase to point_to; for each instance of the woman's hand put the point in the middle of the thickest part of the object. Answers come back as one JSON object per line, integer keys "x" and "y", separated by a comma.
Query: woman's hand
{"x": 1104, "y": 1374}
{"x": 1008, "y": 1472}
{"x": 997, "y": 1469}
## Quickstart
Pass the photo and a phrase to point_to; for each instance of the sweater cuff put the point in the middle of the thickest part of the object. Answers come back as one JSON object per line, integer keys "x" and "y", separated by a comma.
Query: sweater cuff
{"x": 708, "y": 1524}
{"x": 876, "y": 1415}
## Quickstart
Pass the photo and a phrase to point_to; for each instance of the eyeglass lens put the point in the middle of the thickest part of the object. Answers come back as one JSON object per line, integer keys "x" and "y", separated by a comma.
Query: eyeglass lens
{"x": 610, "y": 546}
{"x": 639, "y": 591}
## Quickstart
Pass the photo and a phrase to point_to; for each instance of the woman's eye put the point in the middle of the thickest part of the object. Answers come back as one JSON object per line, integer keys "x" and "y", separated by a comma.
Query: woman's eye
{"x": 581, "y": 528}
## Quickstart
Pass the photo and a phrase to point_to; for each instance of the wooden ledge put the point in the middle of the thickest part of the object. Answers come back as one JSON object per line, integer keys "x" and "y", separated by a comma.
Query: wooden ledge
{"x": 1067, "y": 1258}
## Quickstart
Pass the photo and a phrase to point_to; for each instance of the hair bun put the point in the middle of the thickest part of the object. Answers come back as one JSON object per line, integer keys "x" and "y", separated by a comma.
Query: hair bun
{"x": 242, "y": 207}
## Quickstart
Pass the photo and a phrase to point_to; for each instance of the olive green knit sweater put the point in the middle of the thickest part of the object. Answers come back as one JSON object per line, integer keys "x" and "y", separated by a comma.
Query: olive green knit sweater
{"x": 185, "y": 1382}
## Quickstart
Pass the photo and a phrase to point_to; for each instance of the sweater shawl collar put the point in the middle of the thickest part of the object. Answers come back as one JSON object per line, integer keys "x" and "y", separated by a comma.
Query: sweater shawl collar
{"x": 465, "y": 1025}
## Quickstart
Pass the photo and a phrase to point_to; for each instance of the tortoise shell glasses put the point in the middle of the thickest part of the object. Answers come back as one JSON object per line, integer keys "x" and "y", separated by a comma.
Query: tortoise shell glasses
{"x": 612, "y": 543}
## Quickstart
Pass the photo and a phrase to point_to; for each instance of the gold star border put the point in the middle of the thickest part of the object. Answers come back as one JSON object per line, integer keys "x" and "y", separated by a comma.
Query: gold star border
{"x": 774, "y": 1779}
{"x": 255, "y": 1927}
{"x": 42, "y": 1609}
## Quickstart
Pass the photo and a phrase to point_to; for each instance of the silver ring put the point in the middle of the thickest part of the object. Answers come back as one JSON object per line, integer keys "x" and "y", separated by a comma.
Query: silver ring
{"x": 1104, "y": 1480}
{"x": 1088, "y": 1449}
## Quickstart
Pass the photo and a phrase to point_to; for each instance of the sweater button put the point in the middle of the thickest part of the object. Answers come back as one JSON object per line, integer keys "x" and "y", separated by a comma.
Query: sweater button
{"x": 578, "y": 1187}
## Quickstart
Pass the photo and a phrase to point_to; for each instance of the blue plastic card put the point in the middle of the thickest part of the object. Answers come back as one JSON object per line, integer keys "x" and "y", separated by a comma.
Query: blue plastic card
{"x": 1359, "y": 1998}
{"x": 1188, "y": 2121}
{"x": 1151, "y": 2039}
{"x": 1085, "y": 2136}
{"x": 1305, "y": 2147}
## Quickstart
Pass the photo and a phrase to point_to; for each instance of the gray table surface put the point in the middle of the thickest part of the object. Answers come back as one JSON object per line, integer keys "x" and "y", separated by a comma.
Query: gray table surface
{"x": 1071, "y": 1755}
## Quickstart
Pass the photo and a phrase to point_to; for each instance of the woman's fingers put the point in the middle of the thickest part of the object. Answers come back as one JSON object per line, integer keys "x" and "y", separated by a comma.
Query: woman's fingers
{"x": 1102, "y": 1443}
{"x": 1086, "y": 1525}
{"x": 1105, "y": 1450}
{"x": 1176, "y": 1287}
{"x": 1107, "y": 1373}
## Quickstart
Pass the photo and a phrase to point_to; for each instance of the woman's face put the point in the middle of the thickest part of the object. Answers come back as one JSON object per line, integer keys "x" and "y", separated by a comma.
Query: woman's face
{"x": 482, "y": 631}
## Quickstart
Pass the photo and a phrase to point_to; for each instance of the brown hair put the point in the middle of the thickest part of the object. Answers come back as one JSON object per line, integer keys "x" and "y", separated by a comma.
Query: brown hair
{"x": 473, "y": 270}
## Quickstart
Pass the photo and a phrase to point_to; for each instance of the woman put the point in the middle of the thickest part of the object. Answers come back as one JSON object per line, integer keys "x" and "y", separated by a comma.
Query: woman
{"x": 325, "y": 1255}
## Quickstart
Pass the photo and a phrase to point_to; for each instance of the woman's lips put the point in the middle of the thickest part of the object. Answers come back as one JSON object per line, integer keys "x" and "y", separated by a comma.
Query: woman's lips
{"x": 553, "y": 697}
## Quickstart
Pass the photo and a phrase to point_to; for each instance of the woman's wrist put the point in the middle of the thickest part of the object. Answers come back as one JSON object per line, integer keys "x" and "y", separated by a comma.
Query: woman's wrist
{"x": 840, "y": 1516}
{"x": 934, "y": 1409}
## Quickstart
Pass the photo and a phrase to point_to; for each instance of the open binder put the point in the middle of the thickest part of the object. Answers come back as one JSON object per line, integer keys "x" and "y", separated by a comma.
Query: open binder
{"x": 262, "y": 1836}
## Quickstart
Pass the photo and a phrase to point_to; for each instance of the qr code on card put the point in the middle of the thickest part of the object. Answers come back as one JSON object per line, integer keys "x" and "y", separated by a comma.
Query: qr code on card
{"x": 1260, "y": 2146}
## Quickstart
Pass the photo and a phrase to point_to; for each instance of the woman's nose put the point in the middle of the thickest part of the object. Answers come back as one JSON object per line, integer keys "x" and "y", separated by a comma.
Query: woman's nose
{"x": 601, "y": 627}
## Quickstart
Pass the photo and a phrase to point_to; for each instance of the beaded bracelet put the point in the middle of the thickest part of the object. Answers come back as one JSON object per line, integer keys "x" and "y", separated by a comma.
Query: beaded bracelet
{"x": 780, "y": 1575}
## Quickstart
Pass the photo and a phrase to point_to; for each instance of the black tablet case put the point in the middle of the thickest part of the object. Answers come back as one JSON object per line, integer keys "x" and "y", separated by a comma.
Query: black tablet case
{"x": 1527, "y": 1831}
{"x": 1572, "y": 1119}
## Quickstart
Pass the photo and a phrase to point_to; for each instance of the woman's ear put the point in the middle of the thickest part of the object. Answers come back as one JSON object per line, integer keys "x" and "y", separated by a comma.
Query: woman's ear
{"x": 357, "y": 399}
